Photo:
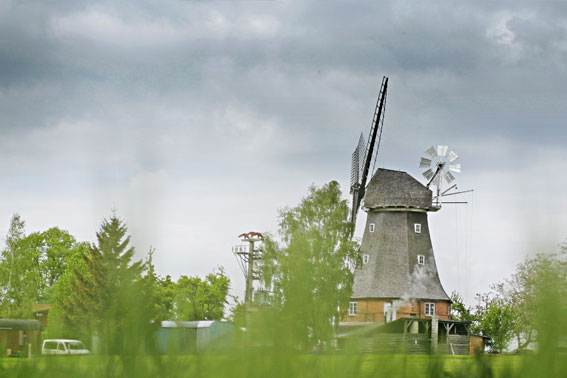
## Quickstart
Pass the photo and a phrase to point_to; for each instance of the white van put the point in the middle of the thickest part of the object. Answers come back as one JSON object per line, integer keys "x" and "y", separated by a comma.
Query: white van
{"x": 63, "y": 346}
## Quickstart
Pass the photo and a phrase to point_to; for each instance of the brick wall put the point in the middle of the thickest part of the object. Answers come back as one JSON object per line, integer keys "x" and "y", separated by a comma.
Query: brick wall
{"x": 369, "y": 310}
{"x": 372, "y": 310}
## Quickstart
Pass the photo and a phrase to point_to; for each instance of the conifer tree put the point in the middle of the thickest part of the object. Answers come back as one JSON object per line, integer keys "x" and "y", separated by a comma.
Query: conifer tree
{"x": 102, "y": 287}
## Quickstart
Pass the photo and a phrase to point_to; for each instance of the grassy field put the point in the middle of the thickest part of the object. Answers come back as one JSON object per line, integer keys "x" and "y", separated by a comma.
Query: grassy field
{"x": 274, "y": 365}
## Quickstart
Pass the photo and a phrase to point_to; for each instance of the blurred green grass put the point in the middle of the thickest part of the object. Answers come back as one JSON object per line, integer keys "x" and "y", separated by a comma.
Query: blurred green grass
{"x": 273, "y": 364}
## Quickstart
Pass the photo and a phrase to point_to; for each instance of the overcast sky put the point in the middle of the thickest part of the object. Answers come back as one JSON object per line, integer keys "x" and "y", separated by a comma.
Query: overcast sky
{"x": 198, "y": 120}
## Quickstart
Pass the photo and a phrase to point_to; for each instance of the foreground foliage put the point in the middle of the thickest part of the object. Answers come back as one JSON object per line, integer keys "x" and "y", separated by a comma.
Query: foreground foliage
{"x": 272, "y": 363}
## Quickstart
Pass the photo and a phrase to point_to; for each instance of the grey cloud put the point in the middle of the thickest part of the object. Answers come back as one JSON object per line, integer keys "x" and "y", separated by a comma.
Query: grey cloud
{"x": 363, "y": 40}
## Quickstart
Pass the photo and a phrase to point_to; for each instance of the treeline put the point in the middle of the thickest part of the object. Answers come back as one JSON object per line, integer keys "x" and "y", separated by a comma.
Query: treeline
{"x": 524, "y": 307}
{"x": 99, "y": 289}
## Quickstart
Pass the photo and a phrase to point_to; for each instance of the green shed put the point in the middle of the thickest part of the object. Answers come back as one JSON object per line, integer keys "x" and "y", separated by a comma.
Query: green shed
{"x": 19, "y": 337}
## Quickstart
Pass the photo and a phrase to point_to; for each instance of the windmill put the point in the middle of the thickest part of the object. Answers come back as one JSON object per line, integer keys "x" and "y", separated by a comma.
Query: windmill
{"x": 364, "y": 152}
{"x": 398, "y": 272}
{"x": 398, "y": 279}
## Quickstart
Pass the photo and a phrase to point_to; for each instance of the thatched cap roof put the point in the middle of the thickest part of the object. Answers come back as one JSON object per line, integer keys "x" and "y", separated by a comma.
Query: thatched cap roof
{"x": 397, "y": 189}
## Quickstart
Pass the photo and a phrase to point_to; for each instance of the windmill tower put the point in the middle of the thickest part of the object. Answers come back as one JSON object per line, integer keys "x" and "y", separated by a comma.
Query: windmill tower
{"x": 398, "y": 276}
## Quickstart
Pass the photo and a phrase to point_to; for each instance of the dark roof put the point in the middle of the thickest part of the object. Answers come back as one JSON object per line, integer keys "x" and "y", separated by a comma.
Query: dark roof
{"x": 41, "y": 307}
{"x": 18, "y": 324}
{"x": 389, "y": 188}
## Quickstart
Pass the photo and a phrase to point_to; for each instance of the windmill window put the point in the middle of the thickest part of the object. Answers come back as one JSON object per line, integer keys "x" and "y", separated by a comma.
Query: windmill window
{"x": 429, "y": 309}
{"x": 371, "y": 227}
{"x": 421, "y": 259}
{"x": 365, "y": 259}
{"x": 417, "y": 228}
{"x": 352, "y": 308}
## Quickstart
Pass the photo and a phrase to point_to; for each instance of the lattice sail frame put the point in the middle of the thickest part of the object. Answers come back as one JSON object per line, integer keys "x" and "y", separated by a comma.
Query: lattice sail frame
{"x": 358, "y": 157}
{"x": 439, "y": 164}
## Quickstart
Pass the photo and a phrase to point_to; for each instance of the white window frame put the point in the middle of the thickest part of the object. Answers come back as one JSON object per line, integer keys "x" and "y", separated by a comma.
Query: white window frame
{"x": 417, "y": 228}
{"x": 421, "y": 259}
{"x": 431, "y": 307}
{"x": 352, "y": 308}
{"x": 365, "y": 259}
{"x": 371, "y": 227}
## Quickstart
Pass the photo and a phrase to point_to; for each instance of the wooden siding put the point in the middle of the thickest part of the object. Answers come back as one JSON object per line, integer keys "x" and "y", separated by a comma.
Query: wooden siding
{"x": 15, "y": 342}
{"x": 476, "y": 345}
{"x": 388, "y": 343}
{"x": 456, "y": 345}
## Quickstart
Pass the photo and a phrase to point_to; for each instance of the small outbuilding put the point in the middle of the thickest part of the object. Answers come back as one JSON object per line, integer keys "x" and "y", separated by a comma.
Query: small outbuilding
{"x": 20, "y": 337}
{"x": 41, "y": 312}
{"x": 179, "y": 337}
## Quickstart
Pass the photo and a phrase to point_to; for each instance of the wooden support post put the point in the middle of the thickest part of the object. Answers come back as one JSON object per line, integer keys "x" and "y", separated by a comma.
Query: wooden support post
{"x": 448, "y": 328}
{"x": 451, "y": 327}
{"x": 434, "y": 333}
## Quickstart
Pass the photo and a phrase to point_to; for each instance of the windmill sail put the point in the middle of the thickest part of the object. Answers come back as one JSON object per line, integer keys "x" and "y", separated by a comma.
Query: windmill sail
{"x": 358, "y": 188}
{"x": 425, "y": 163}
{"x": 357, "y": 158}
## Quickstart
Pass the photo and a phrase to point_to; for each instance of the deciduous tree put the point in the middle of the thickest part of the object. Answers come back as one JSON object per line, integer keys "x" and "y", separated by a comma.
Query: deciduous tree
{"x": 31, "y": 266}
{"x": 524, "y": 306}
{"x": 311, "y": 269}
{"x": 202, "y": 299}
{"x": 20, "y": 273}
{"x": 459, "y": 310}
{"x": 522, "y": 290}
{"x": 496, "y": 319}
